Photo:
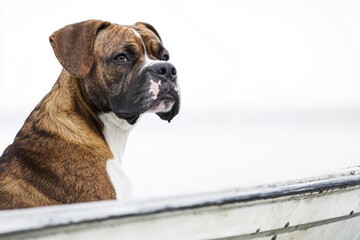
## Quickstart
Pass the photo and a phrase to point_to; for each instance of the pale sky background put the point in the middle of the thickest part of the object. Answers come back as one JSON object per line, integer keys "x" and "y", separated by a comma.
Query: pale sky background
{"x": 270, "y": 89}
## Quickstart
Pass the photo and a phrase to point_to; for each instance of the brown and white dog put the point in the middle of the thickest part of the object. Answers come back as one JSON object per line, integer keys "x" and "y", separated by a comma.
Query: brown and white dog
{"x": 70, "y": 147}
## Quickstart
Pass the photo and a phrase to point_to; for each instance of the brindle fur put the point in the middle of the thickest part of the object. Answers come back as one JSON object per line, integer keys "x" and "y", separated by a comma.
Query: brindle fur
{"x": 59, "y": 155}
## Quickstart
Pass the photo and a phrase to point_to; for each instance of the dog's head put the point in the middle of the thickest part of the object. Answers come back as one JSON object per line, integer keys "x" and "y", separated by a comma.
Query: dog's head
{"x": 122, "y": 69}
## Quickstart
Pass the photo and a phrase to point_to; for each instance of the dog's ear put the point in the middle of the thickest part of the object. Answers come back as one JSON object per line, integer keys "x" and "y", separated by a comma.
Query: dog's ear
{"x": 150, "y": 27}
{"x": 74, "y": 46}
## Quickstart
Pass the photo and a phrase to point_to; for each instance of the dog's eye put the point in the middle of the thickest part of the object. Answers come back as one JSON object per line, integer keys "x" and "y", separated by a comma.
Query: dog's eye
{"x": 121, "y": 58}
{"x": 166, "y": 57}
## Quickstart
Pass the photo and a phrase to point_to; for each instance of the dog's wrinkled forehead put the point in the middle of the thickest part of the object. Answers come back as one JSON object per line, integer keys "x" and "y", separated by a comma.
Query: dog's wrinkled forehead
{"x": 137, "y": 39}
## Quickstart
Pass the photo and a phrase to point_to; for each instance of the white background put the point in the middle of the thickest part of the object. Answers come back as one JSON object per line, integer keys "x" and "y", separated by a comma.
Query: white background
{"x": 270, "y": 89}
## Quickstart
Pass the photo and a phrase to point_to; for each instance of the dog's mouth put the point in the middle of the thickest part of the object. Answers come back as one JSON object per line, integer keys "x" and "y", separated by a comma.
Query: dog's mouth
{"x": 163, "y": 104}
{"x": 167, "y": 107}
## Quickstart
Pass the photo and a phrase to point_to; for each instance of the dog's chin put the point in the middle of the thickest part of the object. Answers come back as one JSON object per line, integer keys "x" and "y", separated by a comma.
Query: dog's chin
{"x": 130, "y": 118}
{"x": 167, "y": 107}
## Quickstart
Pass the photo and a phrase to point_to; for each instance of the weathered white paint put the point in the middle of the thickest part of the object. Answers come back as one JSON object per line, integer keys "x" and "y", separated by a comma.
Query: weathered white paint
{"x": 341, "y": 230}
{"x": 116, "y": 132}
{"x": 333, "y": 214}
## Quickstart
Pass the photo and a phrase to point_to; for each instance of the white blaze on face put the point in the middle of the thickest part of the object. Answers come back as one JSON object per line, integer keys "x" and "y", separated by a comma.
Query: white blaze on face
{"x": 147, "y": 60}
{"x": 154, "y": 89}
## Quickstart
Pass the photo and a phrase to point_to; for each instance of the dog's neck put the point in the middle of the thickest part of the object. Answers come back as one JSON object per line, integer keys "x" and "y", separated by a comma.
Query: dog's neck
{"x": 116, "y": 132}
{"x": 105, "y": 133}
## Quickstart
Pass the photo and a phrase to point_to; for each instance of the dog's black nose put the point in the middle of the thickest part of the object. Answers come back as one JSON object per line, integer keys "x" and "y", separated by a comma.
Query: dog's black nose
{"x": 164, "y": 69}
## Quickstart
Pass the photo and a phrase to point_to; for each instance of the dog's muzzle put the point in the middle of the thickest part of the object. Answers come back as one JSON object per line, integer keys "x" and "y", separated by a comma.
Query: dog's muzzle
{"x": 155, "y": 90}
{"x": 165, "y": 90}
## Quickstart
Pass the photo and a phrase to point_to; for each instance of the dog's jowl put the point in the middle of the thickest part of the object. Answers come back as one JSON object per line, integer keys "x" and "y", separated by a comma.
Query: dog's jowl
{"x": 70, "y": 148}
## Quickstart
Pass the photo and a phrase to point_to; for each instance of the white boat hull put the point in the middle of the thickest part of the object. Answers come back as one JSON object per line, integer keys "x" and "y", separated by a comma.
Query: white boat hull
{"x": 324, "y": 207}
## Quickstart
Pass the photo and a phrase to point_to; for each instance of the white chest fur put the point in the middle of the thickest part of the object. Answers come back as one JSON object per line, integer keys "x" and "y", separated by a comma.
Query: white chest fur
{"x": 116, "y": 132}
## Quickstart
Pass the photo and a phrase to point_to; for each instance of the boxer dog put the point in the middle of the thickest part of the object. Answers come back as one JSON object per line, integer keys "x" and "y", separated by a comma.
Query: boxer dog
{"x": 70, "y": 148}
